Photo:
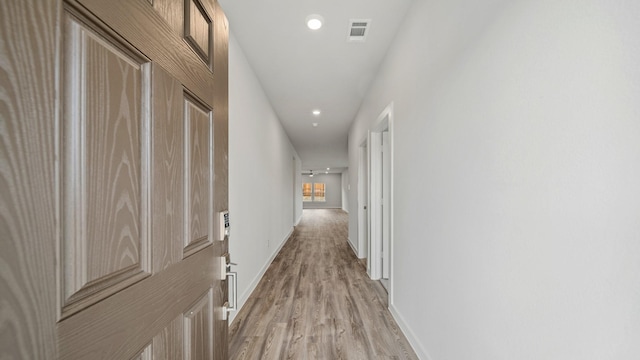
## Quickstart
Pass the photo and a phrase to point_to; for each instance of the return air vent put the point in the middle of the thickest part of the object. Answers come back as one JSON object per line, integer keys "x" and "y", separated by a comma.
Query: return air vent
{"x": 358, "y": 29}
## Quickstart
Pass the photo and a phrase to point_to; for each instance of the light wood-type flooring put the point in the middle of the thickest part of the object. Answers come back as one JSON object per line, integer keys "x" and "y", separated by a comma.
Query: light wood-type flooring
{"x": 316, "y": 302}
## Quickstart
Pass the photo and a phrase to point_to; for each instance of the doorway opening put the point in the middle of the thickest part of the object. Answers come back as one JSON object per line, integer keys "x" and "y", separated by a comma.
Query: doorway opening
{"x": 380, "y": 178}
{"x": 363, "y": 202}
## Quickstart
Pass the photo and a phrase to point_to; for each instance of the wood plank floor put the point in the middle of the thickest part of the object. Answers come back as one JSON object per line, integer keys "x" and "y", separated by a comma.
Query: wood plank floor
{"x": 316, "y": 302}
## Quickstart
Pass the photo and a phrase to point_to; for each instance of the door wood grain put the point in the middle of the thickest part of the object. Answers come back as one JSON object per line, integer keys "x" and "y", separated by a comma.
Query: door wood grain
{"x": 168, "y": 344}
{"x": 197, "y": 120}
{"x": 94, "y": 184}
{"x": 27, "y": 171}
{"x": 147, "y": 30}
{"x": 221, "y": 158}
{"x": 105, "y": 135}
{"x": 198, "y": 339}
{"x": 168, "y": 166}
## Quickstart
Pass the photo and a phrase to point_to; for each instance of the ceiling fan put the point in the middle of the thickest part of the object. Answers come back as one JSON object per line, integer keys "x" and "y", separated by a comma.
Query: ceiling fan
{"x": 311, "y": 173}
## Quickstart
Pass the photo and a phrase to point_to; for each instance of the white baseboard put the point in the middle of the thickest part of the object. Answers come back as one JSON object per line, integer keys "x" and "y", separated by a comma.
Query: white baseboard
{"x": 355, "y": 252}
{"x": 254, "y": 283}
{"x": 411, "y": 337}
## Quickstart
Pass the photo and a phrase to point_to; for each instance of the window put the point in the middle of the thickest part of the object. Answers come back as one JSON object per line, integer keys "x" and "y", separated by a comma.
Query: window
{"x": 313, "y": 192}
{"x": 318, "y": 192}
{"x": 306, "y": 192}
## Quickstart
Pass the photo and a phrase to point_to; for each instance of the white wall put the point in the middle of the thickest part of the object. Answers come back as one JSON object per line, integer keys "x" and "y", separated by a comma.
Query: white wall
{"x": 261, "y": 176}
{"x": 345, "y": 190}
{"x": 517, "y": 178}
{"x": 297, "y": 190}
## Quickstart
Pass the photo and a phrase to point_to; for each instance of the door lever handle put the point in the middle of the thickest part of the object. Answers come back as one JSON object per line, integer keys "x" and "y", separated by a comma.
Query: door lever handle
{"x": 233, "y": 291}
{"x": 227, "y": 259}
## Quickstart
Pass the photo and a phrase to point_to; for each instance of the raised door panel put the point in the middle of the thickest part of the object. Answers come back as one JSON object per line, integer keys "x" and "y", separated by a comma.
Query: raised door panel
{"x": 197, "y": 120}
{"x": 104, "y": 139}
{"x": 198, "y": 329}
{"x": 198, "y": 30}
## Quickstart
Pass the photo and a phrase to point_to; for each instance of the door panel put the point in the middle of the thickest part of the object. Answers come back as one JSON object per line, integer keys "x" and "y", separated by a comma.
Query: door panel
{"x": 104, "y": 220}
{"x": 386, "y": 205}
{"x": 197, "y": 122}
{"x": 97, "y": 182}
{"x": 198, "y": 329}
{"x": 156, "y": 134}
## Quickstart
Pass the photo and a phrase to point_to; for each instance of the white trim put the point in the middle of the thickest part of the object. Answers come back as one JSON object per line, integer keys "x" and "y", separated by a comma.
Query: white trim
{"x": 353, "y": 248}
{"x": 384, "y": 122}
{"x": 363, "y": 221}
{"x": 386, "y": 205}
{"x": 256, "y": 280}
{"x": 388, "y": 112}
{"x": 375, "y": 206}
{"x": 411, "y": 337}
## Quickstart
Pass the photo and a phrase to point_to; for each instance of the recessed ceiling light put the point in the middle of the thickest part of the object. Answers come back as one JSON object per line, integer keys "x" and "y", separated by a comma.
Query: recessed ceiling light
{"x": 316, "y": 112}
{"x": 315, "y": 124}
{"x": 314, "y": 22}
{"x": 326, "y": 172}
{"x": 328, "y": 168}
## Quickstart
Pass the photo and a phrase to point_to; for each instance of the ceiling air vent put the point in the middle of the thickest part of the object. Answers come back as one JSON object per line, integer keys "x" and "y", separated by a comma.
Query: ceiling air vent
{"x": 358, "y": 29}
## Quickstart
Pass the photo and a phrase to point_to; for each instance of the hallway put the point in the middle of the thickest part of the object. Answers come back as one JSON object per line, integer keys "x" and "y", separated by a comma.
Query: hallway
{"x": 316, "y": 302}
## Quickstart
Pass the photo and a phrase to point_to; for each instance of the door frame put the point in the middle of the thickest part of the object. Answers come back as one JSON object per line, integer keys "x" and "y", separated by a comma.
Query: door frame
{"x": 374, "y": 261}
{"x": 383, "y": 123}
{"x": 363, "y": 199}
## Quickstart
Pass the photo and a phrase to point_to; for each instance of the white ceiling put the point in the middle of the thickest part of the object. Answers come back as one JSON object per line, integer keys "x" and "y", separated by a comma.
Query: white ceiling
{"x": 302, "y": 70}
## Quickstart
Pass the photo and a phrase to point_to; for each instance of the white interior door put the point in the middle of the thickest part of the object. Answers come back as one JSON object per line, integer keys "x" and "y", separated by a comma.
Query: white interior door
{"x": 375, "y": 209}
{"x": 380, "y": 175}
{"x": 363, "y": 203}
{"x": 386, "y": 204}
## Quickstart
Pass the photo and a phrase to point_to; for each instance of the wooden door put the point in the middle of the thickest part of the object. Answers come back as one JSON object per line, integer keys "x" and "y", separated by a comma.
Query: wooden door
{"x": 114, "y": 166}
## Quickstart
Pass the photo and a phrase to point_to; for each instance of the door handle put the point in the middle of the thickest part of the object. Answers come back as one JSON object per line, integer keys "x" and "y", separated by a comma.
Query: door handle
{"x": 232, "y": 285}
{"x": 233, "y": 291}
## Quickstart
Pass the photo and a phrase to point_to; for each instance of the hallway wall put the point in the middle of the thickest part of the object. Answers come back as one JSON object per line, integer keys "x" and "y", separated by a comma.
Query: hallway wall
{"x": 517, "y": 164}
{"x": 345, "y": 190}
{"x": 261, "y": 176}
